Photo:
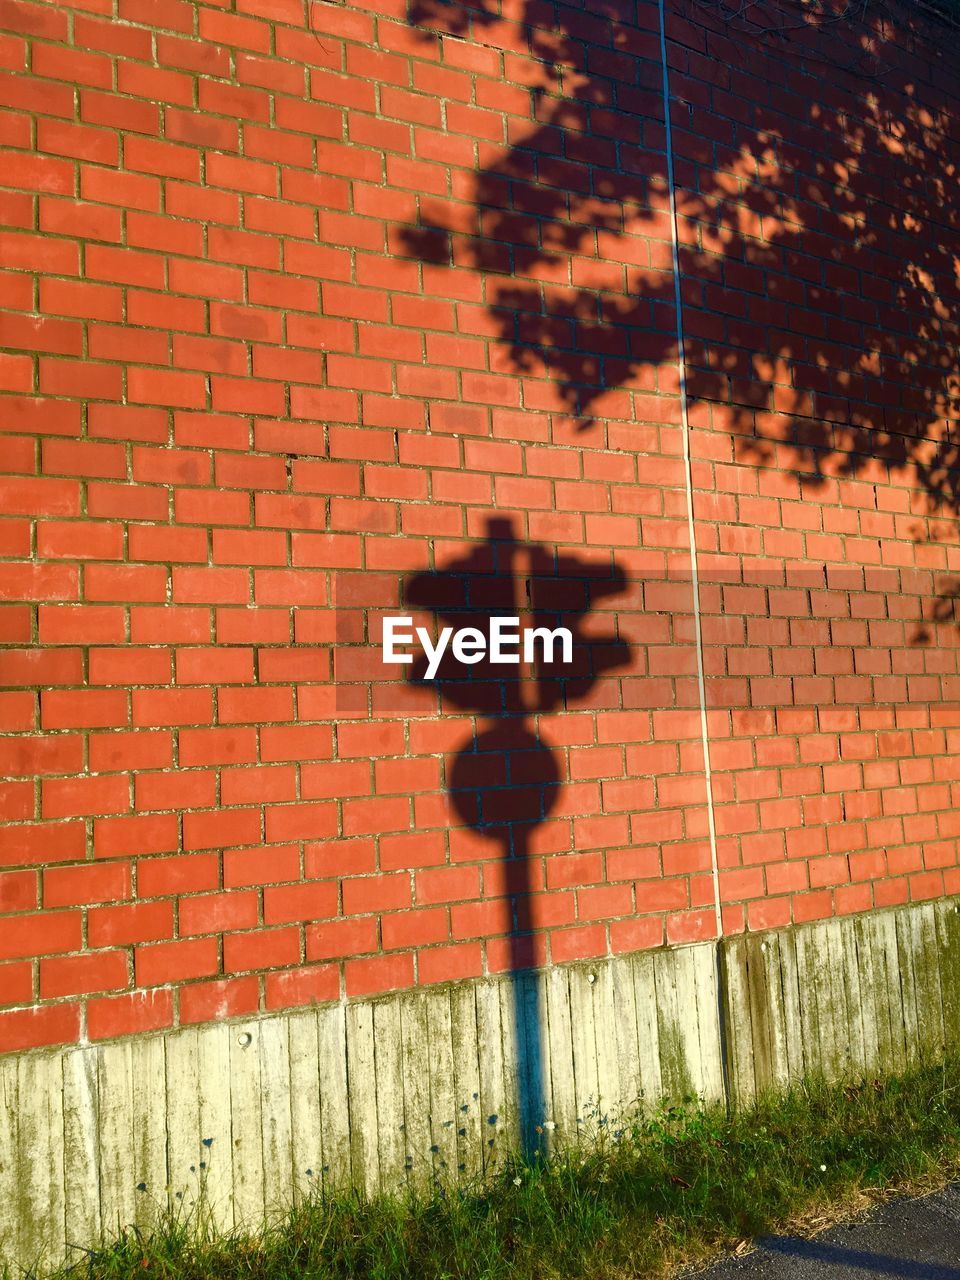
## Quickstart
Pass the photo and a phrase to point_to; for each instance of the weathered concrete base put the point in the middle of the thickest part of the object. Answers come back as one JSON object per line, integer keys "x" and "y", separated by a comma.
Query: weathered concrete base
{"x": 444, "y": 1083}
{"x": 858, "y": 997}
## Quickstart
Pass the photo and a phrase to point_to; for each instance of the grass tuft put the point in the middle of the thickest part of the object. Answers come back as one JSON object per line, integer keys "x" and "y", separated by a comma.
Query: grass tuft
{"x": 683, "y": 1185}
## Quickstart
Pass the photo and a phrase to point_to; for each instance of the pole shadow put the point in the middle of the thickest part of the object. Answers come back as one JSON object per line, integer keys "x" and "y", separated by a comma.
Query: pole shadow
{"x": 505, "y": 780}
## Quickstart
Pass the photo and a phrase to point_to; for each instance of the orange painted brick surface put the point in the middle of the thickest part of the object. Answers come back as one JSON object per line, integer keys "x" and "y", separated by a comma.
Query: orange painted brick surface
{"x": 317, "y": 312}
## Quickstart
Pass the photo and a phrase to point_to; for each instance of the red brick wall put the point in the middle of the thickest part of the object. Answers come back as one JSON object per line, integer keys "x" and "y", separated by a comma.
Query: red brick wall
{"x": 284, "y": 301}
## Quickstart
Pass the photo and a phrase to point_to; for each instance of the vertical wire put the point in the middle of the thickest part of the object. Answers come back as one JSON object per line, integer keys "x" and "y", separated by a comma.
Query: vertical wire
{"x": 688, "y": 469}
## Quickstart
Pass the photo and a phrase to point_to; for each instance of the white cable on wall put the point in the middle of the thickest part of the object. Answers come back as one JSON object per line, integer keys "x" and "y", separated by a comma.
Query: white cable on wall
{"x": 688, "y": 469}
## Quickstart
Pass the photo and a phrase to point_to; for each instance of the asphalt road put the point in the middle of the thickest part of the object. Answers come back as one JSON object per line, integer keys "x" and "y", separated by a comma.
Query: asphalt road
{"x": 906, "y": 1239}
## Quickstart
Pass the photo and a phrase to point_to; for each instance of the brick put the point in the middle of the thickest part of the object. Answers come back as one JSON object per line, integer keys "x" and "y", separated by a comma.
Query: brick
{"x": 129, "y": 665}
{"x": 225, "y": 998}
{"x": 34, "y": 1028}
{"x": 76, "y": 797}
{"x": 90, "y": 540}
{"x": 81, "y": 886}
{"x": 171, "y": 706}
{"x": 218, "y": 746}
{"x": 405, "y": 929}
{"x": 259, "y": 705}
{"x": 450, "y": 964}
{"x": 579, "y": 943}
{"x": 194, "y": 873}
{"x": 228, "y": 826}
{"x": 301, "y": 821}
{"x": 171, "y": 790}
{"x": 167, "y": 387}
{"x": 337, "y": 938}
{"x": 28, "y": 755}
{"x": 125, "y": 501}
{"x": 286, "y": 903}
{"x": 166, "y": 962}
{"x": 242, "y": 175}
{"x": 447, "y": 884}
{"x": 136, "y": 922}
{"x": 138, "y": 1012}
{"x": 377, "y": 893}
{"x": 62, "y": 976}
{"x": 127, "y": 583}
{"x": 233, "y": 665}
{"x": 313, "y": 984}
{"x": 38, "y": 934}
{"x": 18, "y": 891}
{"x": 30, "y": 843}
{"x": 38, "y": 582}
{"x": 83, "y": 708}
{"x": 16, "y": 983}
{"x": 165, "y": 623}
{"x": 217, "y": 912}
{"x": 263, "y": 949}
{"x": 378, "y": 973}
{"x": 636, "y": 935}
{"x": 245, "y": 867}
